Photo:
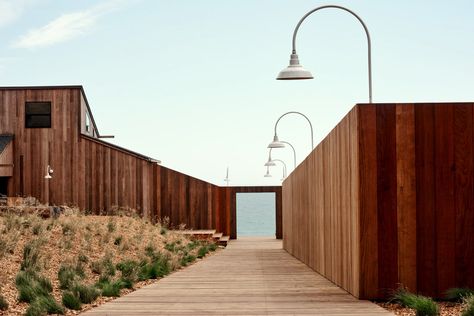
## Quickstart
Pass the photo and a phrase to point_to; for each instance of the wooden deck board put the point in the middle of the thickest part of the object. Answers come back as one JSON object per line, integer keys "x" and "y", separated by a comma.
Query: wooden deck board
{"x": 252, "y": 276}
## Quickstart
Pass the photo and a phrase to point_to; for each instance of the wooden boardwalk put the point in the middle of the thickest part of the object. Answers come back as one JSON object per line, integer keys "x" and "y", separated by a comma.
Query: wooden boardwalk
{"x": 252, "y": 276}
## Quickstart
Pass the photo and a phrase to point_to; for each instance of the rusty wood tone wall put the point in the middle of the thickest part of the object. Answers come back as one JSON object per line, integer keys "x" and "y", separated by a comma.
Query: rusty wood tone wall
{"x": 96, "y": 176}
{"x": 388, "y": 196}
{"x": 320, "y": 208}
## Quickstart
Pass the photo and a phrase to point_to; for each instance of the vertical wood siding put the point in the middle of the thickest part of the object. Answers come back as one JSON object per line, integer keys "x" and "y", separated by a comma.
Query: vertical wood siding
{"x": 95, "y": 176}
{"x": 387, "y": 198}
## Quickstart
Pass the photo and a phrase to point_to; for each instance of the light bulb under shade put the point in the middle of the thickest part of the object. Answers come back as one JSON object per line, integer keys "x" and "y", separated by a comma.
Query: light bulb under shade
{"x": 294, "y": 71}
{"x": 270, "y": 163}
{"x": 276, "y": 144}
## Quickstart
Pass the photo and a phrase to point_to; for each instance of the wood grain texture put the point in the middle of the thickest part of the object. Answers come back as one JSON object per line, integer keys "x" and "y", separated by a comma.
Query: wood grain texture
{"x": 317, "y": 212}
{"x": 388, "y": 199}
{"x": 406, "y": 195}
{"x": 97, "y": 176}
{"x": 249, "y": 277}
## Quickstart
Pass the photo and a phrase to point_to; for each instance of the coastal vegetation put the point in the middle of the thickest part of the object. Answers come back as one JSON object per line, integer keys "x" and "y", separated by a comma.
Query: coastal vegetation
{"x": 72, "y": 262}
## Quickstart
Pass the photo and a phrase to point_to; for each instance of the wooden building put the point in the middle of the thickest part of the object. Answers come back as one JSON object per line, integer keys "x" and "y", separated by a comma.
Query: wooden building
{"x": 54, "y": 126}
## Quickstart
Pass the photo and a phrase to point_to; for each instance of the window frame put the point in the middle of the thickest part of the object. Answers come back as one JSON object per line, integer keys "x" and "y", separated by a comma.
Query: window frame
{"x": 27, "y": 116}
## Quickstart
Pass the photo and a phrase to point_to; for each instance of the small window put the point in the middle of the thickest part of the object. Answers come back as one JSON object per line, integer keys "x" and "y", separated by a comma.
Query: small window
{"x": 88, "y": 123}
{"x": 38, "y": 114}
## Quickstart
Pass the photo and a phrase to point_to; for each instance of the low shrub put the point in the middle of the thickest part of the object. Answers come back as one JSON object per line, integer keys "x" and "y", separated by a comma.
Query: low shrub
{"x": 150, "y": 250}
{"x": 71, "y": 301}
{"x": 44, "y": 283}
{"x": 111, "y": 226}
{"x": 129, "y": 270}
{"x": 109, "y": 267}
{"x": 29, "y": 293}
{"x": 212, "y": 246}
{"x": 104, "y": 266}
{"x": 31, "y": 256}
{"x": 458, "y": 294}
{"x": 104, "y": 279}
{"x": 67, "y": 276}
{"x": 127, "y": 267}
{"x": 86, "y": 293}
{"x": 35, "y": 310}
{"x": 155, "y": 269}
{"x": 3, "y": 303}
{"x": 187, "y": 259}
{"x": 193, "y": 245}
{"x": 126, "y": 283}
{"x": 468, "y": 306}
{"x": 25, "y": 278}
{"x": 423, "y": 306}
{"x": 202, "y": 252}
{"x": 112, "y": 289}
{"x": 12, "y": 222}
{"x": 49, "y": 304}
{"x": 170, "y": 247}
{"x": 32, "y": 286}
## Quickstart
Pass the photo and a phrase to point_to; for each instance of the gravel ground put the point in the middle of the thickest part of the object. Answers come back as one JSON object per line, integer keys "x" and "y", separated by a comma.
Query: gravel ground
{"x": 446, "y": 309}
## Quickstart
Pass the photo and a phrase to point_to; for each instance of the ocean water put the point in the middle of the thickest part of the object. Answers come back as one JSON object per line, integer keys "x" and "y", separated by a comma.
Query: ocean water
{"x": 255, "y": 214}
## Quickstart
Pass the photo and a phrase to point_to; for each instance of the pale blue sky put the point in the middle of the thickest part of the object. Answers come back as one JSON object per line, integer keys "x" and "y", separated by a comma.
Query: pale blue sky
{"x": 193, "y": 82}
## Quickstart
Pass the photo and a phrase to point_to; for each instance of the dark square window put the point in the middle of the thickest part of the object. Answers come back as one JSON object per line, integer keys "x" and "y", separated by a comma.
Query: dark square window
{"x": 38, "y": 114}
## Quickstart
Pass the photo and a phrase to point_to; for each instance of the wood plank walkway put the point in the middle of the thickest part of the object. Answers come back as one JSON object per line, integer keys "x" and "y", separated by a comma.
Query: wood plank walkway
{"x": 252, "y": 276}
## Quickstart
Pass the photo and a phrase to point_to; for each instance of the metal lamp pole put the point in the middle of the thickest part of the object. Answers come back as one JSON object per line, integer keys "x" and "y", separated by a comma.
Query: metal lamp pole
{"x": 295, "y": 71}
{"x": 276, "y": 143}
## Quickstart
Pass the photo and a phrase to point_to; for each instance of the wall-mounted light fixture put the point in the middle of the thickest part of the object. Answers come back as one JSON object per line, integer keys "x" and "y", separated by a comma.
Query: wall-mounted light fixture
{"x": 49, "y": 172}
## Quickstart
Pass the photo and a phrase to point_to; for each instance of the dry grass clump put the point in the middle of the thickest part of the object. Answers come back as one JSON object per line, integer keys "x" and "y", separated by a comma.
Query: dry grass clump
{"x": 76, "y": 261}
{"x": 457, "y": 301}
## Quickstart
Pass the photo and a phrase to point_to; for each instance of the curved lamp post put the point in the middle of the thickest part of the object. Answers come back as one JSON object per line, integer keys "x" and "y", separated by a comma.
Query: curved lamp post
{"x": 276, "y": 143}
{"x": 295, "y": 71}
{"x": 270, "y": 163}
{"x": 284, "y": 168}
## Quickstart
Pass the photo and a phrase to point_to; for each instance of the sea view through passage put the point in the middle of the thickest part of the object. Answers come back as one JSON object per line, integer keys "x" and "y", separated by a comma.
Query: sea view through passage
{"x": 255, "y": 214}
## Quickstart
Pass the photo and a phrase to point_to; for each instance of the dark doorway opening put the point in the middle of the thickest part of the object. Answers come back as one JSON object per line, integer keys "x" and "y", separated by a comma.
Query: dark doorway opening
{"x": 256, "y": 213}
{"x": 3, "y": 185}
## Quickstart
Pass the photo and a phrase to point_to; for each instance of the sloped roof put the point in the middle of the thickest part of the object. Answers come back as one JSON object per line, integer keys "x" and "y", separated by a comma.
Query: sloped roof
{"x": 5, "y": 139}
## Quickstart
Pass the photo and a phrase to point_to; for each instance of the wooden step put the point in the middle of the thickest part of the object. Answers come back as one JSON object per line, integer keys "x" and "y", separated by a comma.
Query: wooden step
{"x": 217, "y": 236}
{"x": 198, "y": 233}
{"x": 224, "y": 240}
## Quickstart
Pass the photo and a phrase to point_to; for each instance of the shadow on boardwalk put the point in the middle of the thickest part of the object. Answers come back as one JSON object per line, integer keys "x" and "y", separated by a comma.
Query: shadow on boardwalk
{"x": 252, "y": 276}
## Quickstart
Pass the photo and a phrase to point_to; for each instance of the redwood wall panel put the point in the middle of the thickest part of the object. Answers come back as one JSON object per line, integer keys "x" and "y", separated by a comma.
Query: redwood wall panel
{"x": 399, "y": 209}
{"x": 320, "y": 205}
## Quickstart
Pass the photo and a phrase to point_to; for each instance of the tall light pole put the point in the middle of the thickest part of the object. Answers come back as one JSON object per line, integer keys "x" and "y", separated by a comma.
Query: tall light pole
{"x": 284, "y": 167}
{"x": 276, "y": 143}
{"x": 295, "y": 71}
